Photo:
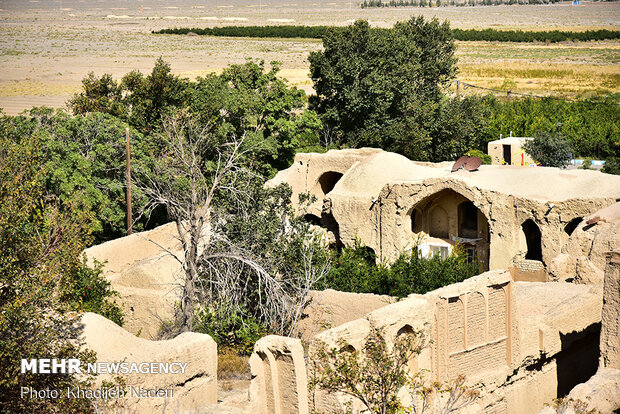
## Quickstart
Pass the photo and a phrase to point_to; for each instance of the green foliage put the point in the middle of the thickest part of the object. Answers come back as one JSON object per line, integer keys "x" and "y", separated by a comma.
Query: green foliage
{"x": 486, "y": 159}
{"x": 318, "y": 32}
{"x": 84, "y": 160}
{"x": 140, "y": 100}
{"x": 230, "y": 329}
{"x": 411, "y": 273}
{"x": 244, "y": 100}
{"x": 553, "y": 36}
{"x": 591, "y": 126}
{"x": 612, "y": 166}
{"x": 308, "y": 32}
{"x": 41, "y": 239}
{"x": 248, "y": 100}
{"x": 86, "y": 290}
{"x": 382, "y": 87}
{"x": 354, "y": 270}
{"x": 264, "y": 228}
{"x": 549, "y": 149}
{"x": 374, "y": 374}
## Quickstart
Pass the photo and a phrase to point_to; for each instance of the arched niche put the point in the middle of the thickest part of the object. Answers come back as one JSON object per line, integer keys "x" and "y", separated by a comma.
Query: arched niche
{"x": 408, "y": 332}
{"x": 572, "y": 225}
{"x": 447, "y": 214}
{"x": 439, "y": 225}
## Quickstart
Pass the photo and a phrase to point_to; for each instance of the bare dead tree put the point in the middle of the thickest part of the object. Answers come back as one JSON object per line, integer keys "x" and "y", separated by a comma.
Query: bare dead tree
{"x": 197, "y": 167}
{"x": 186, "y": 183}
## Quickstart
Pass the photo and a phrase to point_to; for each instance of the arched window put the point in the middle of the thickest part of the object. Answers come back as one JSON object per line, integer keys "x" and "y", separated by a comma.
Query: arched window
{"x": 328, "y": 181}
{"x": 572, "y": 225}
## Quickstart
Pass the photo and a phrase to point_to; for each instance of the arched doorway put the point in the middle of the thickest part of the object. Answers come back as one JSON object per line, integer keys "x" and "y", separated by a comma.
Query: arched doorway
{"x": 533, "y": 239}
{"x": 468, "y": 220}
{"x": 452, "y": 217}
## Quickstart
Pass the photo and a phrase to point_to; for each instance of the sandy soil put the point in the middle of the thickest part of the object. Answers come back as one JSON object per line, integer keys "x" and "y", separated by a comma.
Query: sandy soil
{"x": 47, "y": 47}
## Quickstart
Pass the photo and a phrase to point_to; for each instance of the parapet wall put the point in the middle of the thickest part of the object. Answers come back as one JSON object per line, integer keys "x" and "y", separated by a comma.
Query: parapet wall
{"x": 279, "y": 382}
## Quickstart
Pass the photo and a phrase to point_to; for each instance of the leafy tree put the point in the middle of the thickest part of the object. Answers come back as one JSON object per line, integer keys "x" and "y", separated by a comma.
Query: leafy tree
{"x": 375, "y": 374}
{"x": 382, "y": 88}
{"x": 84, "y": 160}
{"x": 590, "y": 126}
{"x": 248, "y": 100}
{"x": 549, "y": 149}
{"x": 41, "y": 239}
{"x": 228, "y": 230}
{"x": 140, "y": 100}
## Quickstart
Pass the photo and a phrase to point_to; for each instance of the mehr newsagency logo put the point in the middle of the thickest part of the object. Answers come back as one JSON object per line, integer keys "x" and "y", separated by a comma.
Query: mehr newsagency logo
{"x": 75, "y": 366}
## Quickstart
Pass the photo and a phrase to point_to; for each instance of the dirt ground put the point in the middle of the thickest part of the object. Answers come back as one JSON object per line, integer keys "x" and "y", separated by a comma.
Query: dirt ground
{"x": 47, "y": 47}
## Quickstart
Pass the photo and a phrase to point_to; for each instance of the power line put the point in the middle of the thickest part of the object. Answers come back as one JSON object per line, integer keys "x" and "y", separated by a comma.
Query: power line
{"x": 510, "y": 93}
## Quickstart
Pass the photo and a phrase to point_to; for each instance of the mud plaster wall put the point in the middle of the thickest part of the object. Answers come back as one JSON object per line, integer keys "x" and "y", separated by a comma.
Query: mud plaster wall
{"x": 471, "y": 327}
{"x": 473, "y": 333}
{"x": 610, "y": 332}
{"x": 303, "y": 176}
{"x": 505, "y": 215}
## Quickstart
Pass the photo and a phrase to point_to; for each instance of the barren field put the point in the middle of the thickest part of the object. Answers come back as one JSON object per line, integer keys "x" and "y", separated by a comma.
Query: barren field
{"x": 47, "y": 47}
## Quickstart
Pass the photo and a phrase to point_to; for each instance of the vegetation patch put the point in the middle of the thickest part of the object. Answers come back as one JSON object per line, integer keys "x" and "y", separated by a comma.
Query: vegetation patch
{"x": 318, "y": 32}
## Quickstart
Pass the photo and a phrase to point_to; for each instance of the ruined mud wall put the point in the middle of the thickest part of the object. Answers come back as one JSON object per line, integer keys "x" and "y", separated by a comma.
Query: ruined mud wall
{"x": 191, "y": 390}
{"x": 610, "y": 333}
{"x": 505, "y": 215}
{"x": 279, "y": 382}
{"x": 144, "y": 268}
{"x": 583, "y": 256}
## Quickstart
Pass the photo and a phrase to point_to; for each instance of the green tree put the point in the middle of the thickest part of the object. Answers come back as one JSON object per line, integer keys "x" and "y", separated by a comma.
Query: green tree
{"x": 373, "y": 375}
{"x": 252, "y": 101}
{"x": 41, "y": 239}
{"x": 382, "y": 87}
{"x": 549, "y": 149}
{"x": 140, "y": 100}
{"x": 84, "y": 160}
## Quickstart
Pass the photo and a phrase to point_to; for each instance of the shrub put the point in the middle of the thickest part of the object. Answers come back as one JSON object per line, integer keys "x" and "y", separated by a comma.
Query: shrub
{"x": 612, "y": 166}
{"x": 87, "y": 290}
{"x": 230, "y": 329}
{"x": 354, "y": 270}
{"x": 373, "y": 375}
{"x": 486, "y": 158}
{"x": 376, "y": 373}
{"x": 549, "y": 149}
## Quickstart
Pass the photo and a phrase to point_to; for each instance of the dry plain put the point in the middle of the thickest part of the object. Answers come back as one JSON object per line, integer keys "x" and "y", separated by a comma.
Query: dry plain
{"x": 47, "y": 47}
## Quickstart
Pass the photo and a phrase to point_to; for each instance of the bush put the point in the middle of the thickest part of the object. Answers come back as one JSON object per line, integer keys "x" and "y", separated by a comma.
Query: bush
{"x": 612, "y": 166}
{"x": 486, "y": 158}
{"x": 549, "y": 149}
{"x": 354, "y": 270}
{"x": 87, "y": 290}
{"x": 230, "y": 329}
{"x": 376, "y": 374}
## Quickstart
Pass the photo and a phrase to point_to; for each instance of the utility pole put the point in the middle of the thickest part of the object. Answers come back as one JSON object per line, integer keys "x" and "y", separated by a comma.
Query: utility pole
{"x": 128, "y": 176}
